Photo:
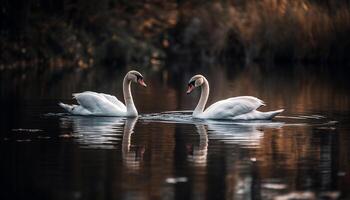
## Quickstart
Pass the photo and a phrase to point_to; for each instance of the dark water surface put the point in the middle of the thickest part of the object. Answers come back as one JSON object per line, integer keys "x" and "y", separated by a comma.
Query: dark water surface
{"x": 304, "y": 153}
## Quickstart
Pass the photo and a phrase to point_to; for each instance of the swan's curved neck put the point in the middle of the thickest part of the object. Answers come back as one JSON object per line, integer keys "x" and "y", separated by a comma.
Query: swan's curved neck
{"x": 129, "y": 102}
{"x": 203, "y": 99}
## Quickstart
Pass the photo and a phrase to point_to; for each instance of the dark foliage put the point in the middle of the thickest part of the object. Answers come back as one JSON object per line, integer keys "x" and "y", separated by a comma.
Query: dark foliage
{"x": 68, "y": 33}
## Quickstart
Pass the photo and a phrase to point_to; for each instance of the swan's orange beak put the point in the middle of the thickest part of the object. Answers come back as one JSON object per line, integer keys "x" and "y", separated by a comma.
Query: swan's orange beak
{"x": 189, "y": 88}
{"x": 141, "y": 82}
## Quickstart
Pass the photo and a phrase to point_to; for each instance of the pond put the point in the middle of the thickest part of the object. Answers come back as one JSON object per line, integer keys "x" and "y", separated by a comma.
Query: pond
{"x": 301, "y": 154}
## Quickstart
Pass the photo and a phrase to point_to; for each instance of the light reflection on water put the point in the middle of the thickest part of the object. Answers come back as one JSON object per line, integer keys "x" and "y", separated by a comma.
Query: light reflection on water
{"x": 169, "y": 155}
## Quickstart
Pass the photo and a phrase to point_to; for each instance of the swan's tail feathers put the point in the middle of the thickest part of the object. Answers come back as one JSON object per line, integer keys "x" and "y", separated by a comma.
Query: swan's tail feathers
{"x": 272, "y": 114}
{"x": 262, "y": 102}
{"x": 74, "y": 95}
{"x": 67, "y": 107}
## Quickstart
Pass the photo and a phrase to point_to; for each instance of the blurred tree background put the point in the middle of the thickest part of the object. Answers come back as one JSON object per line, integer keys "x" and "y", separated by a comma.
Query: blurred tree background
{"x": 115, "y": 33}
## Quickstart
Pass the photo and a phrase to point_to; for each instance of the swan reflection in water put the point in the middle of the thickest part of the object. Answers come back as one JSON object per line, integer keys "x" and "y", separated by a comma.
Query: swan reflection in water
{"x": 239, "y": 137}
{"x": 244, "y": 134}
{"x": 132, "y": 157}
{"x": 106, "y": 133}
{"x": 198, "y": 154}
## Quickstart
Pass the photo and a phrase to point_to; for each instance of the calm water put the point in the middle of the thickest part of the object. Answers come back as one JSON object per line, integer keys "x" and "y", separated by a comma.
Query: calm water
{"x": 46, "y": 154}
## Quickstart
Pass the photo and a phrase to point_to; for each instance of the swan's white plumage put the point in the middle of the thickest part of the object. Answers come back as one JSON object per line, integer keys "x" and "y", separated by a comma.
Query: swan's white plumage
{"x": 114, "y": 100}
{"x": 100, "y": 104}
{"x": 231, "y": 107}
{"x": 235, "y": 108}
{"x": 93, "y": 103}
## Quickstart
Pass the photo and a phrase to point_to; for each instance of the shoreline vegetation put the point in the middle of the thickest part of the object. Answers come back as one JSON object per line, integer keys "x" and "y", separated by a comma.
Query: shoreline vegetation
{"x": 69, "y": 34}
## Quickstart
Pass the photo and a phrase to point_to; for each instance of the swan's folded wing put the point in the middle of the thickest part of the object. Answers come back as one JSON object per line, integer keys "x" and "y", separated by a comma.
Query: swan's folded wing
{"x": 96, "y": 103}
{"x": 114, "y": 100}
{"x": 89, "y": 100}
{"x": 233, "y": 107}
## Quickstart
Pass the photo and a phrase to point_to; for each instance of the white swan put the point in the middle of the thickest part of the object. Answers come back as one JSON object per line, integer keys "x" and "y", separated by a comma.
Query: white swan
{"x": 236, "y": 108}
{"x": 100, "y": 104}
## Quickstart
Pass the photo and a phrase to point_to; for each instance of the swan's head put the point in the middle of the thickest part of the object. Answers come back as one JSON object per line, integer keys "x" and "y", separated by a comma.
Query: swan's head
{"x": 136, "y": 77}
{"x": 194, "y": 82}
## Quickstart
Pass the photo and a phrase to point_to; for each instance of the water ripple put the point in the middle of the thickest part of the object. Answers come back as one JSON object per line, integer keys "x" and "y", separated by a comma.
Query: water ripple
{"x": 185, "y": 117}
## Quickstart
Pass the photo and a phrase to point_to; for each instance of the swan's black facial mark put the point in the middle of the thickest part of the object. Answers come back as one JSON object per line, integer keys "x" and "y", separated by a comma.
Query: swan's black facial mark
{"x": 138, "y": 77}
{"x": 140, "y": 80}
{"x": 191, "y": 83}
{"x": 191, "y": 86}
